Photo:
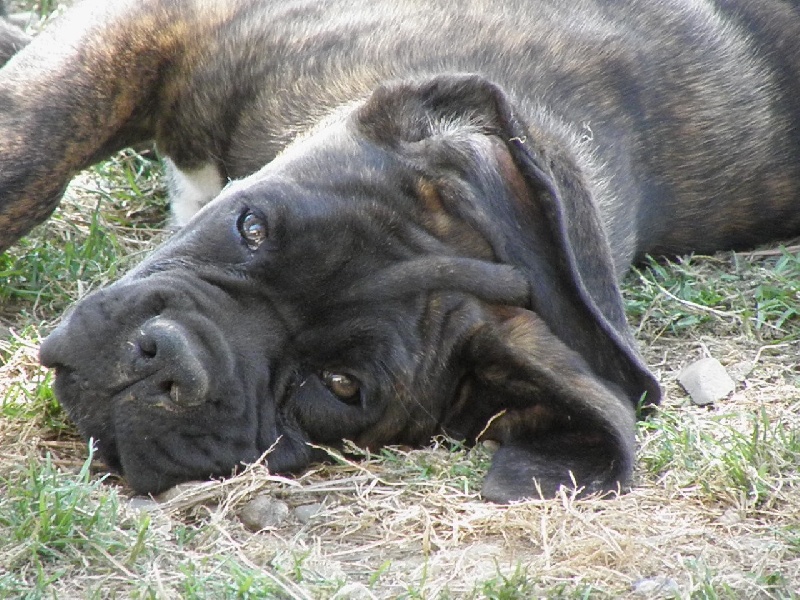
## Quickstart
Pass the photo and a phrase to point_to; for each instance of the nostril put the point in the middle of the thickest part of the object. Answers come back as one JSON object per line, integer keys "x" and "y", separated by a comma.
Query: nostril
{"x": 170, "y": 388}
{"x": 147, "y": 345}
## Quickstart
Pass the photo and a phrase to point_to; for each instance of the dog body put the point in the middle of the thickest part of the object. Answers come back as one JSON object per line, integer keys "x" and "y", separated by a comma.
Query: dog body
{"x": 432, "y": 204}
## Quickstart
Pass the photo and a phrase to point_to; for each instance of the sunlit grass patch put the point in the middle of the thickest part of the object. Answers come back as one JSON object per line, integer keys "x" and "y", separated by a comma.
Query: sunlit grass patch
{"x": 56, "y": 524}
{"x": 42, "y": 271}
{"x": 26, "y": 389}
{"x": 759, "y": 297}
{"x": 748, "y": 459}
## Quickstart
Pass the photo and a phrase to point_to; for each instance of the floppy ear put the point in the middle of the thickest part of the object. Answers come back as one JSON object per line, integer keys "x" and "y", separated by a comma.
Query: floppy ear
{"x": 557, "y": 422}
{"x": 565, "y": 365}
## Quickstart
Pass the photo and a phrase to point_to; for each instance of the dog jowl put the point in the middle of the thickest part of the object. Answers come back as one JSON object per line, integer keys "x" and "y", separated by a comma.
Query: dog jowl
{"x": 439, "y": 247}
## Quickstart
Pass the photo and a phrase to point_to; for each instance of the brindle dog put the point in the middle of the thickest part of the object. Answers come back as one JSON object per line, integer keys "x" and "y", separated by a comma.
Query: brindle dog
{"x": 431, "y": 205}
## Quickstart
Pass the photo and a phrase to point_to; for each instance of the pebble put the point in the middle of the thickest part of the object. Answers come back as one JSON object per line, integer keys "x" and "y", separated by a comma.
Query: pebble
{"x": 491, "y": 445}
{"x": 740, "y": 370}
{"x": 306, "y": 512}
{"x": 730, "y": 517}
{"x": 263, "y": 512}
{"x": 706, "y": 381}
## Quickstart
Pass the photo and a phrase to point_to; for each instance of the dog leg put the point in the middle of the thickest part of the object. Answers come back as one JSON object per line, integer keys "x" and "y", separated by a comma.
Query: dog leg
{"x": 92, "y": 84}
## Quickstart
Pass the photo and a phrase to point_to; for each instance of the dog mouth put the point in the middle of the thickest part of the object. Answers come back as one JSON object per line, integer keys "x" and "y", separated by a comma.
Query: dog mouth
{"x": 153, "y": 407}
{"x": 96, "y": 429}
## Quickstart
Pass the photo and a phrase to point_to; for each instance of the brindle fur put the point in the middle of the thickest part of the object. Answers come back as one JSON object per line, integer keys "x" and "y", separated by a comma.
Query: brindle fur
{"x": 12, "y": 39}
{"x": 590, "y": 133}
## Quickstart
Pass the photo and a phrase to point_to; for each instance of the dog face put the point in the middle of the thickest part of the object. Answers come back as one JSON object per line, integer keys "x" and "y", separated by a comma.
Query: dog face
{"x": 366, "y": 285}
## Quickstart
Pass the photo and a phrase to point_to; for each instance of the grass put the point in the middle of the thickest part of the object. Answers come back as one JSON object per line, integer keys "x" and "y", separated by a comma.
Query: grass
{"x": 740, "y": 457}
{"x": 713, "y": 513}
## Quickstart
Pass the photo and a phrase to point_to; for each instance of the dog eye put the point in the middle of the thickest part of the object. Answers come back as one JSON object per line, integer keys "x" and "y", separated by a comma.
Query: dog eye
{"x": 252, "y": 228}
{"x": 345, "y": 388}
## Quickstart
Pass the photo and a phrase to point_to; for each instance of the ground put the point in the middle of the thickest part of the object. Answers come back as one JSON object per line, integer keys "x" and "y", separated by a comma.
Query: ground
{"x": 714, "y": 511}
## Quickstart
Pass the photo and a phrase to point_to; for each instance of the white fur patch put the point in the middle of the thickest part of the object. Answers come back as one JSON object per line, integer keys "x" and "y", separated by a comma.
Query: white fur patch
{"x": 189, "y": 191}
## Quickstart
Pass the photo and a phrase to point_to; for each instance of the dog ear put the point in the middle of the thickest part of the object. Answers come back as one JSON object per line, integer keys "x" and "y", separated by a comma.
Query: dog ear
{"x": 557, "y": 422}
{"x": 569, "y": 369}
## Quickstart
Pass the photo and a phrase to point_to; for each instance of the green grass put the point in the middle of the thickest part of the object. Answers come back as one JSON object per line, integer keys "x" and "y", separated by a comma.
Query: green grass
{"x": 701, "y": 294}
{"x": 740, "y": 452}
{"x": 42, "y": 273}
{"x": 742, "y": 456}
{"x": 39, "y": 404}
{"x": 518, "y": 585}
{"x": 54, "y": 523}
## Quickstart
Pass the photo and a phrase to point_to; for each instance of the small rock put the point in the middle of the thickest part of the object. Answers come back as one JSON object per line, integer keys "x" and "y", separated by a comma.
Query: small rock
{"x": 490, "y": 445}
{"x": 706, "y": 381}
{"x": 656, "y": 587}
{"x": 307, "y": 512}
{"x": 263, "y": 512}
{"x": 730, "y": 517}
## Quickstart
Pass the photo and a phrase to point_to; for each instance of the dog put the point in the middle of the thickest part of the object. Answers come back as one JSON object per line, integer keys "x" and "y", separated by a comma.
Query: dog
{"x": 401, "y": 219}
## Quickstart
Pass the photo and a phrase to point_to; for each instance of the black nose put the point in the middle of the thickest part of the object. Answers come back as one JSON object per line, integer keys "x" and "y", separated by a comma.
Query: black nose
{"x": 54, "y": 347}
{"x": 176, "y": 358}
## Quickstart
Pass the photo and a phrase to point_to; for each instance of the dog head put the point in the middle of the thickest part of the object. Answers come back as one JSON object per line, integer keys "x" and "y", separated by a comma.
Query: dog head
{"x": 420, "y": 265}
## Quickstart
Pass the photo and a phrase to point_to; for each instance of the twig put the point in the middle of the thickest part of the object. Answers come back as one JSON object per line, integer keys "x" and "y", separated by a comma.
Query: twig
{"x": 771, "y": 252}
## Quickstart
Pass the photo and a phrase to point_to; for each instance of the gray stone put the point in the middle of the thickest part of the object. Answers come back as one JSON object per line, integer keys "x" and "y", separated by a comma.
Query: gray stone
{"x": 307, "y": 512}
{"x": 181, "y": 488}
{"x": 706, "y": 381}
{"x": 740, "y": 370}
{"x": 263, "y": 512}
